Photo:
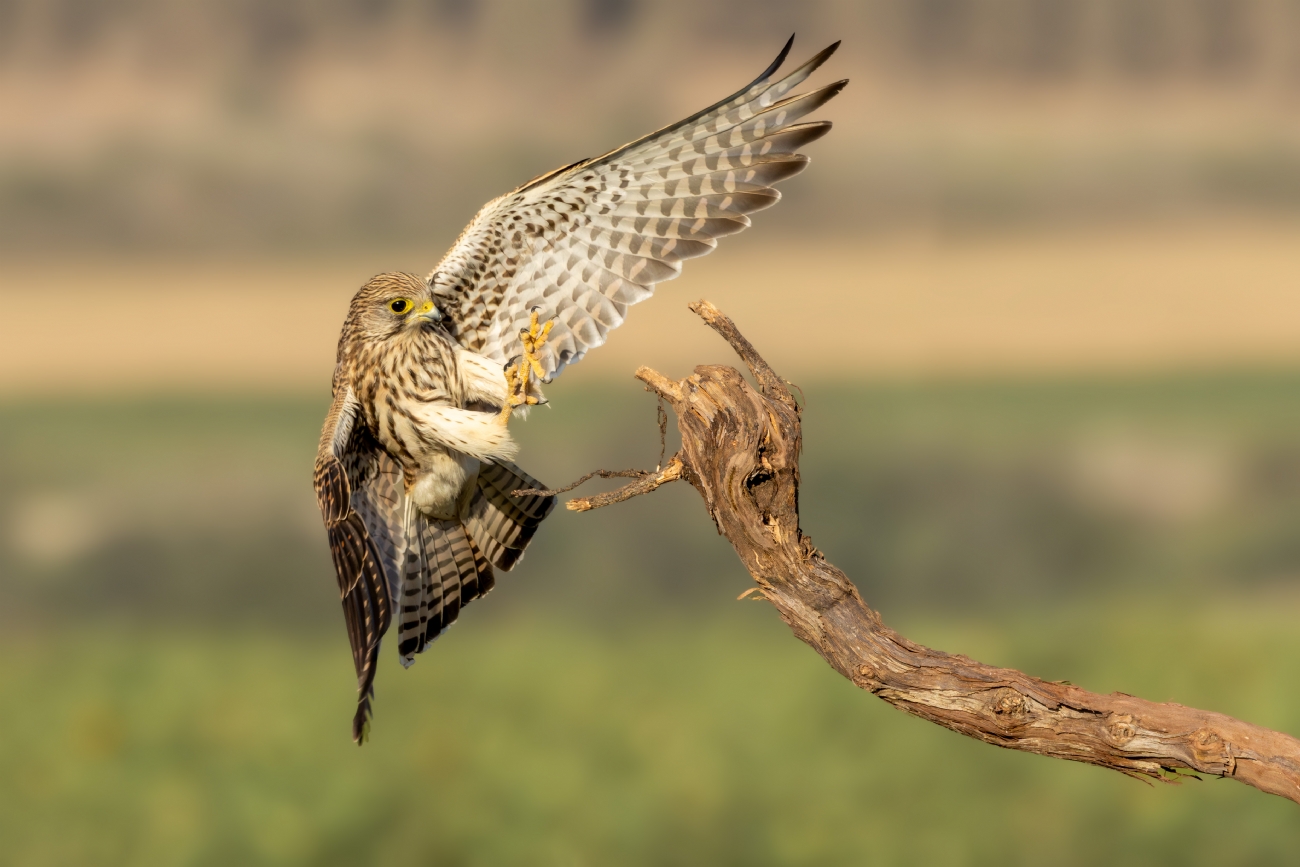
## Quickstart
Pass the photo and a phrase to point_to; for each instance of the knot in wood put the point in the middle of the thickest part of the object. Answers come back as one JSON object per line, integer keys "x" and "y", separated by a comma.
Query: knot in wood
{"x": 1009, "y": 705}
{"x": 1120, "y": 728}
{"x": 807, "y": 550}
{"x": 762, "y": 485}
{"x": 1211, "y": 753}
{"x": 869, "y": 675}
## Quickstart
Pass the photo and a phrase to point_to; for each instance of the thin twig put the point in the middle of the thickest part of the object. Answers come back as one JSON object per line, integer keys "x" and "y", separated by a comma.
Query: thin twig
{"x": 604, "y": 474}
{"x": 661, "y": 415}
{"x": 803, "y": 401}
{"x": 675, "y": 470}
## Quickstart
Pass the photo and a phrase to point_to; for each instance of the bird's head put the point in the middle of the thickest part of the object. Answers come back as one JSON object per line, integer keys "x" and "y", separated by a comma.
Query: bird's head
{"x": 390, "y": 305}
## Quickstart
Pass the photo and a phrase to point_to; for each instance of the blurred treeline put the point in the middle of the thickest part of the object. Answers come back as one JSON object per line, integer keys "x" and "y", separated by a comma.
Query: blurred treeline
{"x": 280, "y": 125}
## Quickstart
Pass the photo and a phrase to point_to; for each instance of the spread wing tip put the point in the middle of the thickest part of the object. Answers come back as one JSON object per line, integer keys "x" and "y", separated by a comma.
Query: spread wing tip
{"x": 812, "y": 64}
{"x": 776, "y": 64}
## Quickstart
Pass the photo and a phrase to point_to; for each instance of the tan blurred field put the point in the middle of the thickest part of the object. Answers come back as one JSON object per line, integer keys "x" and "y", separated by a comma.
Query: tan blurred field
{"x": 1106, "y": 300}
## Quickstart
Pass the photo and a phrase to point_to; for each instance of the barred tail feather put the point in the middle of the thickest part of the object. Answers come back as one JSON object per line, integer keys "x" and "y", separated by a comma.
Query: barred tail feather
{"x": 448, "y": 564}
{"x": 416, "y": 589}
{"x": 500, "y": 523}
{"x": 445, "y": 571}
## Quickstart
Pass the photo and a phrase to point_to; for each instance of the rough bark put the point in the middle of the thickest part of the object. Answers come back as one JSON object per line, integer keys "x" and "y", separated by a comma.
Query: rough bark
{"x": 740, "y": 450}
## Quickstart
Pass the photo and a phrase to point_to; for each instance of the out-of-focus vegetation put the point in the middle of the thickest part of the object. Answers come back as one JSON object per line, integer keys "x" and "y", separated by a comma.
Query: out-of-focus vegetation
{"x": 179, "y": 684}
{"x": 956, "y": 495}
{"x": 530, "y": 740}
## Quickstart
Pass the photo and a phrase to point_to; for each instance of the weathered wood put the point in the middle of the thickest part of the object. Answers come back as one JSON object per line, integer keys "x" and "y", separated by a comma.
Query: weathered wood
{"x": 644, "y": 485}
{"x": 740, "y": 449}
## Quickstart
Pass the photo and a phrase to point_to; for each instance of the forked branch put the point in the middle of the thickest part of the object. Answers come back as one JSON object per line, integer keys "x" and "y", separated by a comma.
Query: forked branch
{"x": 740, "y": 449}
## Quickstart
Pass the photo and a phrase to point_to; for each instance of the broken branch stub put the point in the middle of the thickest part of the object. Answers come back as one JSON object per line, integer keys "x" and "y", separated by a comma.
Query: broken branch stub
{"x": 740, "y": 450}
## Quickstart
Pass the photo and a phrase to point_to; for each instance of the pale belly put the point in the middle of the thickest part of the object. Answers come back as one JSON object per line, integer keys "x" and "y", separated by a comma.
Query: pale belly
{"x": 444, "y": 484}
{"x": 443, "y": 478}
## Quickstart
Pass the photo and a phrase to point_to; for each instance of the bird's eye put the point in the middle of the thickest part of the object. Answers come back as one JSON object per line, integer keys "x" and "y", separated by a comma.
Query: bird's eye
{"x": 400, "y": 305}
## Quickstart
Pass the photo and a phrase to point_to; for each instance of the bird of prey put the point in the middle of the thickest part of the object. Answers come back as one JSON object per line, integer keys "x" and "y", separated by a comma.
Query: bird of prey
{"x": 413, "y": 473}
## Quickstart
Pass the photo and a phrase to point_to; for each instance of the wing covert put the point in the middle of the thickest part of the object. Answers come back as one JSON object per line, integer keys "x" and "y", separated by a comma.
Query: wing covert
{"x": 587, "y": 241}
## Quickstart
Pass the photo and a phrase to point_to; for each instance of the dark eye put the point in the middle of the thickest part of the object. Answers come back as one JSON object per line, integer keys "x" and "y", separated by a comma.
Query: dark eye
{"x": 399, "y": 305}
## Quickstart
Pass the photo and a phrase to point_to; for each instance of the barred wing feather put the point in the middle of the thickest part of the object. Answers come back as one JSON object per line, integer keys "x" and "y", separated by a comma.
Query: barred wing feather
{"x": 355, "y": 496}
{"x": 587, "y": 241}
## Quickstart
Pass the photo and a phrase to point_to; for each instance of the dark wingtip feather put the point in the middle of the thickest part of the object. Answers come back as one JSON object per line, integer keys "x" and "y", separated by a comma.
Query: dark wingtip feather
{"x": 810, "y": 101}
{"x": 820, "y": 57}
{"x": 361, "y": 722}
{"x": 816, "y": 61}
{"x": 776, "y": 64}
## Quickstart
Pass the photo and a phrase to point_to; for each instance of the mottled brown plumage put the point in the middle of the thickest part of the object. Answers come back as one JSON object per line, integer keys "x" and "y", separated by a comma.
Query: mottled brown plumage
{"x": 413, "y": 470}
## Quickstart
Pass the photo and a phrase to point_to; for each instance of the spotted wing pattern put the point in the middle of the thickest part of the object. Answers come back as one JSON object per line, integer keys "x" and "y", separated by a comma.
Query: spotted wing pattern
{"x": 587, "y": 241}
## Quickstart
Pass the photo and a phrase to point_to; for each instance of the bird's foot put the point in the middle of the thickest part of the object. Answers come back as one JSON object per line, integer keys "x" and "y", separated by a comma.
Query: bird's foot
{"x": 522, "y": 370}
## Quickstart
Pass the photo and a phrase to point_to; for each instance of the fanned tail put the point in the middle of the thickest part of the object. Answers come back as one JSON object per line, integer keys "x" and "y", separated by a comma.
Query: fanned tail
{"x": 450, "y": 563}
{"x": 445, "y": 571}
{"x": 500, "y": 523}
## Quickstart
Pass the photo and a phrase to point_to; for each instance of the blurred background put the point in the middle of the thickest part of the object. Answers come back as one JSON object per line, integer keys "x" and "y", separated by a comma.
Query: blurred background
{"x": 1039, "y": 291}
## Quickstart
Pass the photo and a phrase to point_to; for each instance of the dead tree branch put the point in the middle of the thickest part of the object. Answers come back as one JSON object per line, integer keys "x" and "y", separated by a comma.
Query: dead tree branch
{"x": 644, "y": 485}
{"x": 740, "y": 449}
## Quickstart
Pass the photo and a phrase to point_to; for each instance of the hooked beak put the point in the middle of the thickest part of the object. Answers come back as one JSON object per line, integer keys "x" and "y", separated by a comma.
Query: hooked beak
{"x": 429, "y": 313}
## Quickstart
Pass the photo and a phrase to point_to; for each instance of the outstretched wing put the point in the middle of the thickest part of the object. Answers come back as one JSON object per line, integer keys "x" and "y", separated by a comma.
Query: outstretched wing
{"x": 585, "y": 242}
{"x": 358, "y": 489}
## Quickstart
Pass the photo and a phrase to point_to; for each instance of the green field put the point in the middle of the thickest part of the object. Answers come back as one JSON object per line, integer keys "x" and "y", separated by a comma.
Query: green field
{"x": 684, "y": 741}
{"x": 179, "y": 689}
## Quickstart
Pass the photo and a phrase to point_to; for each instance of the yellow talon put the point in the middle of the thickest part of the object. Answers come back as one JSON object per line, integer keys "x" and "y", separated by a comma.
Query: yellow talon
{"x": 520, "y": 374}
{"x": 512, "y": 387}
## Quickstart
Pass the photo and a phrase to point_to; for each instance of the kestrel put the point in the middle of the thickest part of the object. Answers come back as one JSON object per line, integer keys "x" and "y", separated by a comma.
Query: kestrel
{"x": 413, "y": 473}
